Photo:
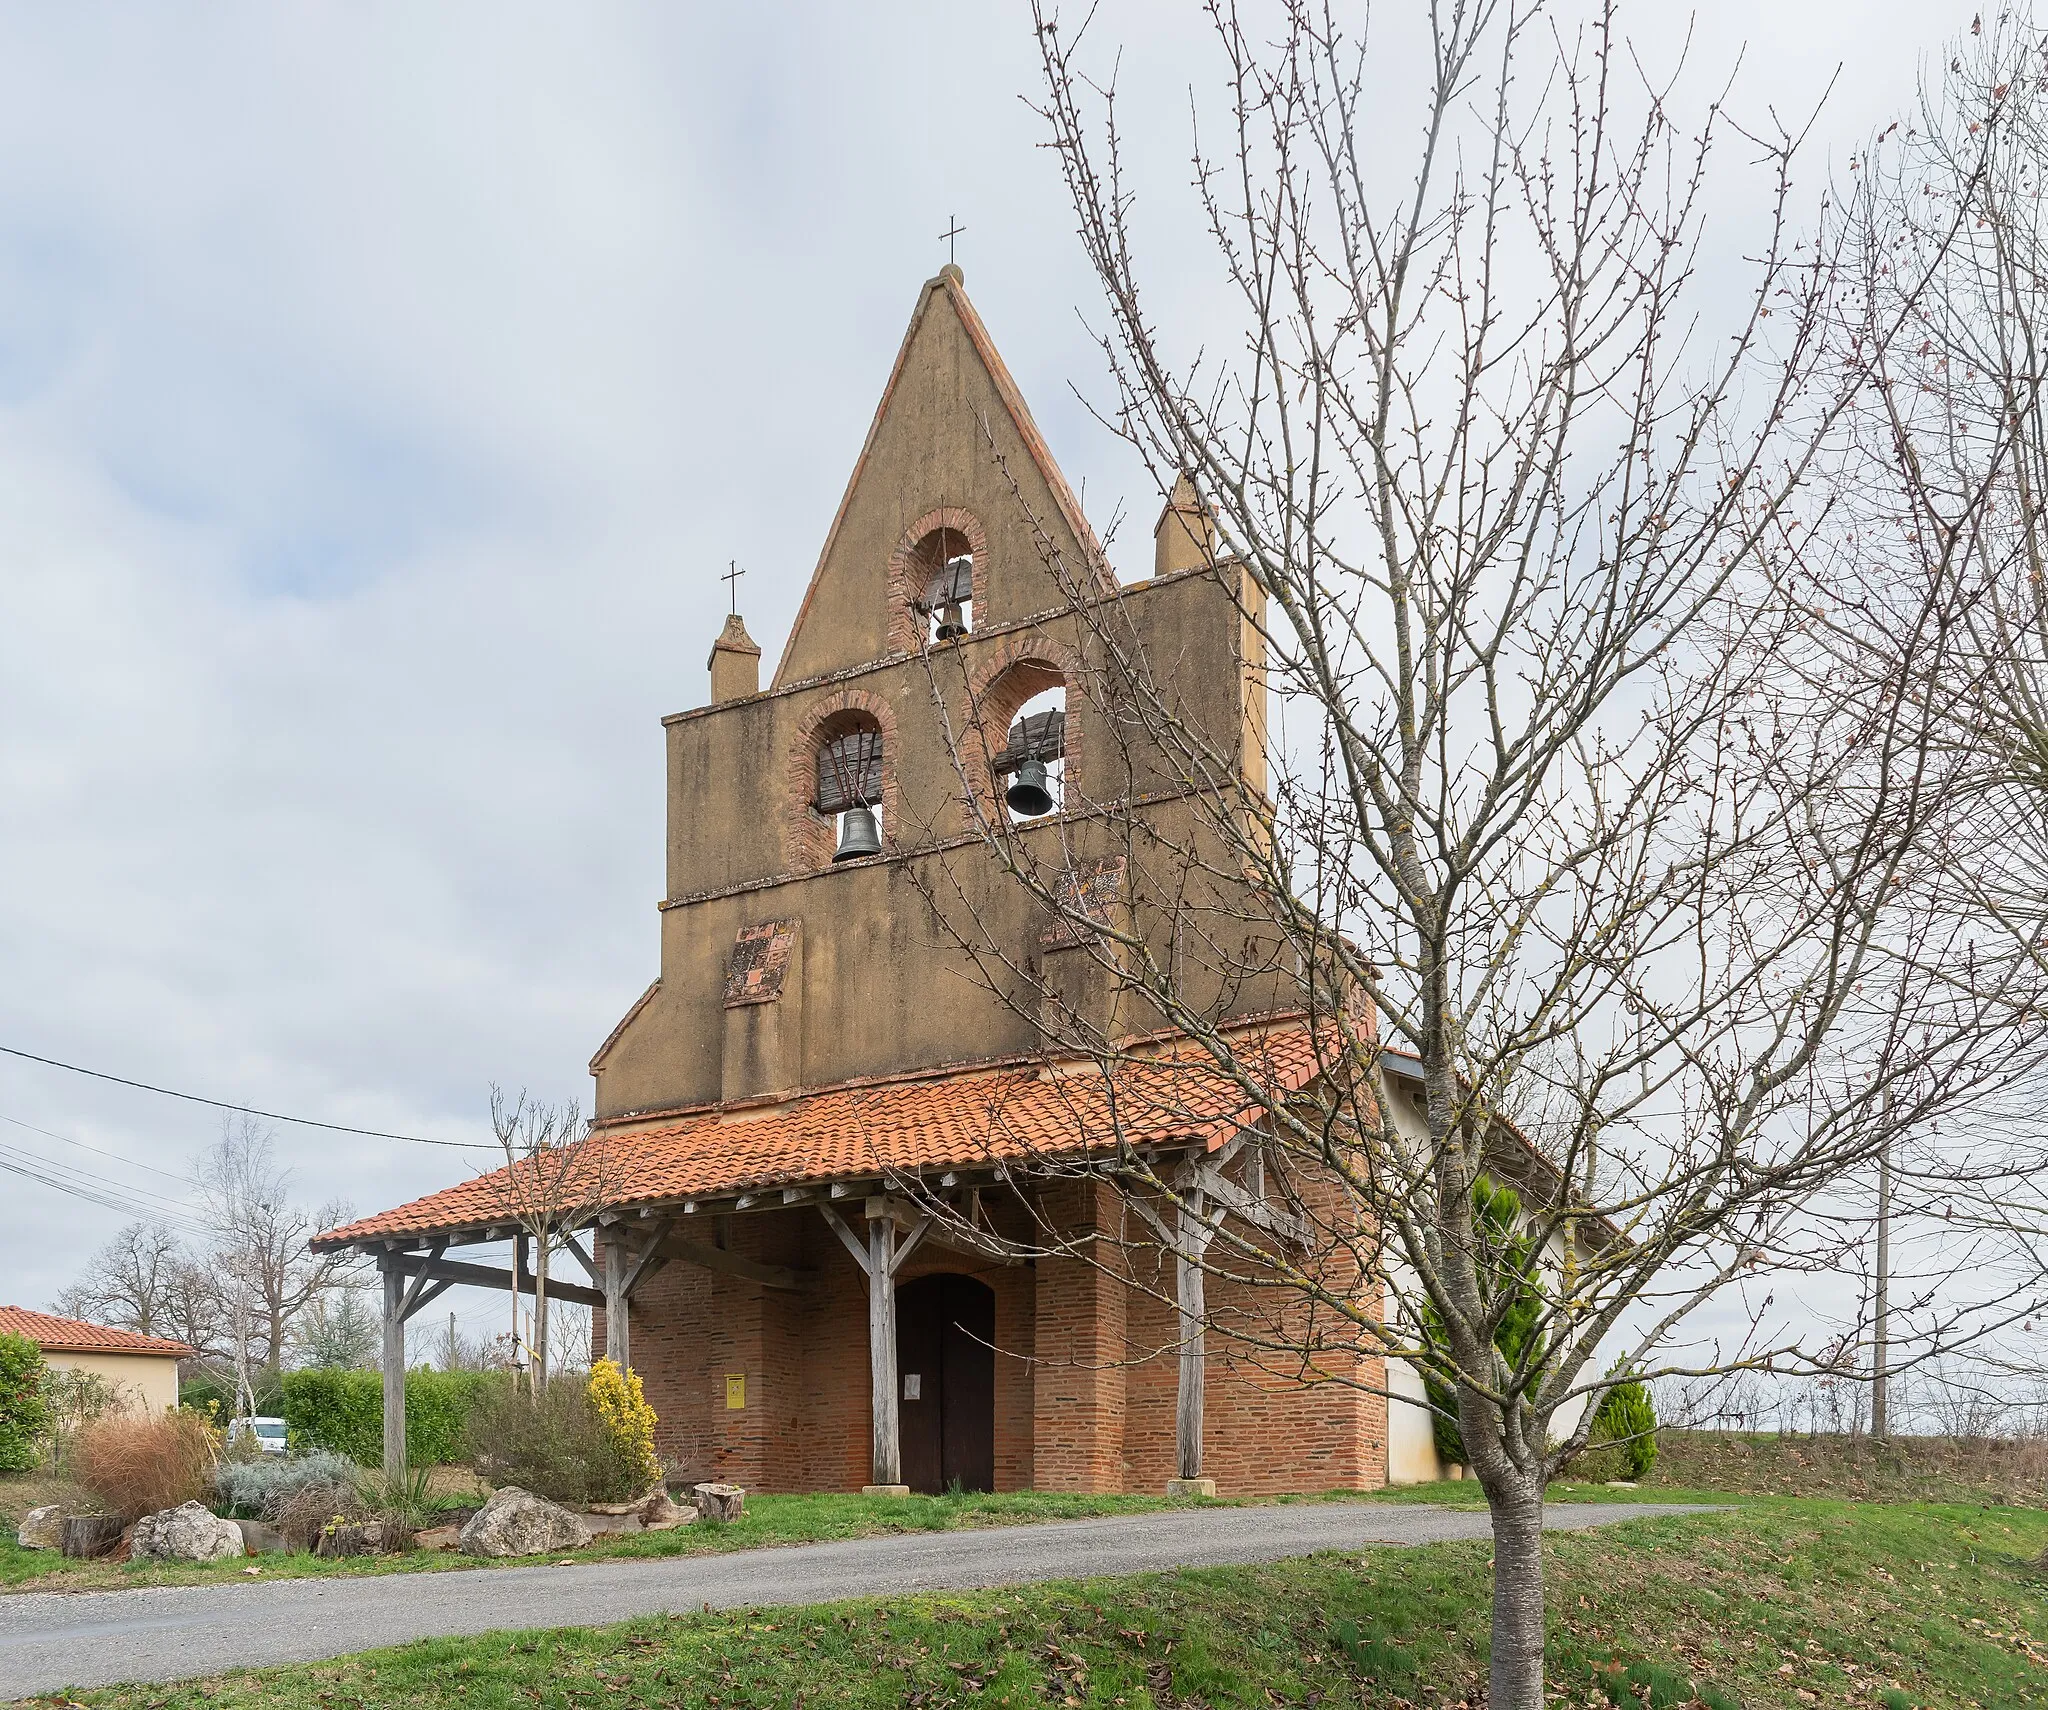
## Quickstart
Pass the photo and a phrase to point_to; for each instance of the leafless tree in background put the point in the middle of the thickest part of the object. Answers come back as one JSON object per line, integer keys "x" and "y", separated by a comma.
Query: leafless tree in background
{"x": 1513, "y": 487}
{"x": 264, "y": 1271}
{"x": 1943, "y": 578}
{"x": 553, "y": 1186}
{"x": 134, "y": 1283}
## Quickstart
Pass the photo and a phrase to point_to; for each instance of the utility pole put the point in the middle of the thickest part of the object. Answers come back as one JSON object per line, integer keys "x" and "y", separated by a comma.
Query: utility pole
{"x": 1881, "y": 1329}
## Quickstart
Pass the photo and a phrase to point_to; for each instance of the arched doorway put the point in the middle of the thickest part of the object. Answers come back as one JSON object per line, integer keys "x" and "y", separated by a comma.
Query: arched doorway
{"x": 946, "y": 1364}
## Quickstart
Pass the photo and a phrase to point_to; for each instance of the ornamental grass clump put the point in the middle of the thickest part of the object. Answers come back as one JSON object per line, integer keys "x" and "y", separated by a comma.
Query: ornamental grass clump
{"x": 620, "y": 1403}
{"x": 136, "y": 1464}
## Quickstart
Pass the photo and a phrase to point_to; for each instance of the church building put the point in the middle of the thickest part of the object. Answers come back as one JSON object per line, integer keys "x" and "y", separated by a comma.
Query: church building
{"x": 842, "y": 1223}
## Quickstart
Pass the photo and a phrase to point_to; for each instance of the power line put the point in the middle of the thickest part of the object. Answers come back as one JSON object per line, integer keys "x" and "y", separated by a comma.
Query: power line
{"x": 97, "y": 1190}
{"x": 182, "y": 1181}
{"x": 248, "y": 1110}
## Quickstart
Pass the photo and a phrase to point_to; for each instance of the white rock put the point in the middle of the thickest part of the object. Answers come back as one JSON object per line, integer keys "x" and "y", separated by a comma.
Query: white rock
{"x": 517, "y": 1523}
{"x": 192, "y": 1533}
{"x": 40, "y": 1528}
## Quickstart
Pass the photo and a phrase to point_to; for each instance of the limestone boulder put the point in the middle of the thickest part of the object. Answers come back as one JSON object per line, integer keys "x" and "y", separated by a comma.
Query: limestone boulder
{"x": 721, "y": 1501}
{"x": 193, "y": 1533}
{"x": 515, "y": 1522}
{"x": 42, "y": 1528}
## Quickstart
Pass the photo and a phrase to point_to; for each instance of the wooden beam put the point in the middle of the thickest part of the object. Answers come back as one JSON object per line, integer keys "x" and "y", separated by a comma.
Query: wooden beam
{"x": 428, "y": 1297}
{"x": 485, "y": 1276}
{"x": 581, "y": 1254}
{"x": 847, "y": 1238}
{"x": 412, "y": 1301}
{"x": 733, "y": 1265}
{"x": 1276, "y": 1220}
{"x": 910, "y": 1241}
{"x": 881, "y": 1269}
{"x": 651, "y": 1258}
{"x": 394, "y": 1367}
{"x": 1193, "y": 1233}
{"x": 618, "y": 1339}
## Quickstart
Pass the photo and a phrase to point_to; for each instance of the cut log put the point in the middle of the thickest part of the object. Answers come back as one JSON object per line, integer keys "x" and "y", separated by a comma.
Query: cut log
{"x": 721, "y": 1501}
{"x": 88, "y": 1535}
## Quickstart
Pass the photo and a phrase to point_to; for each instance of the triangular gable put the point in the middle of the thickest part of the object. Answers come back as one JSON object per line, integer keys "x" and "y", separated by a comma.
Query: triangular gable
{"x": 929, "y": 449}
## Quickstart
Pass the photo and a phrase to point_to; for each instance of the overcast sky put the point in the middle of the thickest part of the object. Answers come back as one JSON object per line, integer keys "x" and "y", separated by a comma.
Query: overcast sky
{"x": 382, "y": 390}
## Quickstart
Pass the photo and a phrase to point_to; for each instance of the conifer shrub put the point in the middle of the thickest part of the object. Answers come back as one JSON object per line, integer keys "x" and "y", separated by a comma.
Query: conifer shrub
{"x": 24, "y": 1411}
{"x": 1627, "y": 1424}
{"x": 1508, "y": 1264}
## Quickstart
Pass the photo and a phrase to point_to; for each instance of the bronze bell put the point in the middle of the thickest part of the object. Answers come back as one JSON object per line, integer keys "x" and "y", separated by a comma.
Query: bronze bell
{"x": 858, "y": 833}
{"x": 1027, "y": 794}
{"x": 952, "y": 622}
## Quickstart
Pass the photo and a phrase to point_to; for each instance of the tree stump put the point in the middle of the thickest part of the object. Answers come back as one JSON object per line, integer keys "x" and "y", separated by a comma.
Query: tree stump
{"x": 88, "y": 1535}
{"x": 721, "y": 1501}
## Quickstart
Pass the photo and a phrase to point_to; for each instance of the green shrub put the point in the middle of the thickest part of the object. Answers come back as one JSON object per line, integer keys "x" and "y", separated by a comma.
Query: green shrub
{"x": 1628, "y": 1421}
{"x": 1508, "y": 1261}
{"x": 343, "y": 1412}
{"x": 260, "y": 1489}
{"x": 24, "y": 1411}
{"x": 557, "y": 1445}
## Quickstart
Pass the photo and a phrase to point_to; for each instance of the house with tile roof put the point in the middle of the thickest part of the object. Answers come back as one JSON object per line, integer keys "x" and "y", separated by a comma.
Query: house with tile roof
{"x": 143, "y": 1370}
{"x": 847, "y": 1224}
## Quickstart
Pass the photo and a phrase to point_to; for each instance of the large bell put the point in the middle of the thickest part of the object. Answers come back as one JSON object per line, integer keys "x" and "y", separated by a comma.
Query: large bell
{"x": 952, "y": 622}
{"x": 1027, "y": 794}
{"x": 858, "y": 834}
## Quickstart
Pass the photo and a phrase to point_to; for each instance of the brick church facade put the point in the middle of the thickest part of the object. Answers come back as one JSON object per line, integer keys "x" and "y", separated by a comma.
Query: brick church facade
{"x": 847, "y": 1235}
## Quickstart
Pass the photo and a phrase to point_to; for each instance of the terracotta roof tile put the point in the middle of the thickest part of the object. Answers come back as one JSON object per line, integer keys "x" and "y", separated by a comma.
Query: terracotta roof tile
{"x": 75, "y": 1336}
{"x": 963, "y": 1120}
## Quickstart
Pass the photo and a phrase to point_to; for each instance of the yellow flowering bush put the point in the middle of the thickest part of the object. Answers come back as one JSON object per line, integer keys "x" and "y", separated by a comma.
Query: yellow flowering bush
{"x": 620, "y": 1404}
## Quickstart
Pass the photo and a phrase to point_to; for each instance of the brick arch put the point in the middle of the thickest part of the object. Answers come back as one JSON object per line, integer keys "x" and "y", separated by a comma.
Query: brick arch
{"x": 1005, "y": 677}
{"x": 808, "y": 837}
{"x": 907, "y": 575}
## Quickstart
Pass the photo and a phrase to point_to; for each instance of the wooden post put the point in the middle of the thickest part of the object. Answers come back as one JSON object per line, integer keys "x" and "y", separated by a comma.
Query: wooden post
{"x": 888, "y": 1465}
{"x": 394, "y": 1368}
{"x": 1191, "y": 1241}
{"x": 618, "y": 1346}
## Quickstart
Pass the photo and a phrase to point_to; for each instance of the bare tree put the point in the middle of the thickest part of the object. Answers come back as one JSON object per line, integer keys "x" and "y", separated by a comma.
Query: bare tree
{"x": 553, "y": 1186}
{"x": 131, "y": 1282}
{"x": 266, "y": 1274}
{"x": 1557, "y": 818}
{"x": 1942, "y": 581}
{"x": 147, "y": 1280}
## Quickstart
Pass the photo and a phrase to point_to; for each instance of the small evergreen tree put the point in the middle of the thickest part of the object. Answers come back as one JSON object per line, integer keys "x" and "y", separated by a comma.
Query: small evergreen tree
{"x": 1510, "y": 1260}
{"x": 1628, "y": 1420}
{"x": 24, "y": 1410}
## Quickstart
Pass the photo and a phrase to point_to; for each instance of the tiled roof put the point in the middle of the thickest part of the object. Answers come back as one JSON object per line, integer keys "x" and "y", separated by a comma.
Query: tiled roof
{"x": 968, "y": 1119}
{"x": 75, "y": 1336}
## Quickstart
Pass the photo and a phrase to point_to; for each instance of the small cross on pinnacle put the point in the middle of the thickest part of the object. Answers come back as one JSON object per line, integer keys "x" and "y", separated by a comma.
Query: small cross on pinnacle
{"x": 731, "y": 579}
{"x": 953, "y": 229}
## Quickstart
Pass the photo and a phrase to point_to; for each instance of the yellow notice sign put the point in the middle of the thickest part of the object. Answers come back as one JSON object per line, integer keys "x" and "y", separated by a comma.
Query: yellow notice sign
{"x": 735, "y": 1391}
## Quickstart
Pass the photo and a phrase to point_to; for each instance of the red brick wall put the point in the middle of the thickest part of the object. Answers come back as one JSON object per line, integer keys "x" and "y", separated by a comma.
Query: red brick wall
{"x": 1086, "y": 1368}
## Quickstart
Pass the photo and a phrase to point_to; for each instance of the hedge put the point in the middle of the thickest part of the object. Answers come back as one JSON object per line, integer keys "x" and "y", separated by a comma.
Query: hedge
{"x": 343, "y": 1411}
{"x": 23, "y": 1412}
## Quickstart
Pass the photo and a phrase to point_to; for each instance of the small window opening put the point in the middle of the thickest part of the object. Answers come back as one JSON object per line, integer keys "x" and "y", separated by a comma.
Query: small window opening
{"x": 947, "y": 604}
{"x": 850, "y": 790}
{"x": 1033, "y": 763}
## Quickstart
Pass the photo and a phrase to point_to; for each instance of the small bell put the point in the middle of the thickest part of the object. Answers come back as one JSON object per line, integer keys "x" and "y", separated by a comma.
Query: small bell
{"x": 858, "y": 834}
{"x": 1027, "y": 794}
{"x": 952, "y": 622}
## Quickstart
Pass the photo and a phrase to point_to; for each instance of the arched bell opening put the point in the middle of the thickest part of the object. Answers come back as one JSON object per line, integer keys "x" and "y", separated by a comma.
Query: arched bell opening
{"x": 1031, "y": 769}
{"x": 946, "y": 1383}
{"x": 849, "y": 783}
{"x": 943, "y": 569}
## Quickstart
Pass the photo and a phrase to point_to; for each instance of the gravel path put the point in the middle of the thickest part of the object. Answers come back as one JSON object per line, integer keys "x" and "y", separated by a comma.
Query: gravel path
{"x": 50, "y": 1640}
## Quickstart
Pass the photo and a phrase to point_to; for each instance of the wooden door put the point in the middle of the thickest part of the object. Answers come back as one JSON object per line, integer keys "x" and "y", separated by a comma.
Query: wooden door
{"x": 946, "y": 1367}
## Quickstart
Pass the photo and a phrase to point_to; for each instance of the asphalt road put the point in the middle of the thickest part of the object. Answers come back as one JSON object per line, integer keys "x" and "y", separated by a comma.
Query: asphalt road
{"x": 51, "y": 1640}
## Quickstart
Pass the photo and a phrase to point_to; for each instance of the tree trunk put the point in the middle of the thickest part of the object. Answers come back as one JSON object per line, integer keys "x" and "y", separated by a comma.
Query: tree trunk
{"x": 1515, "y": 1681}
{"x": 540, "y": 1314}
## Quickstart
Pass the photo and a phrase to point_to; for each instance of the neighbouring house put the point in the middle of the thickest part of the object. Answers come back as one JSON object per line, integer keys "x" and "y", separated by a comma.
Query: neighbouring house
{"x": 143, "y": 1370}
{"x": 816, "y": 1064}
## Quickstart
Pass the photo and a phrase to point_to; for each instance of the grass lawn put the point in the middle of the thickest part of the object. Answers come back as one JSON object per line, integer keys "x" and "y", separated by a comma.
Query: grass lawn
{"x": 1777, "y": 1602}
{"x": 768, "y": 1520}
